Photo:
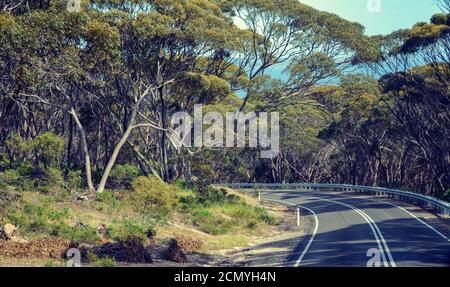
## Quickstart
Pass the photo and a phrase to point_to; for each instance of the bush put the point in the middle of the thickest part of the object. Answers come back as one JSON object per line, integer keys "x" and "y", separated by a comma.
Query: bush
{"x": 75, "y": 179}
{"x": 54, "y": 179}
{"x": 48, "y": 149}
{"x": 10, "y": 177}
{"x": 127, "y": 230}
{"x": 153, "y": 199}
{"x": 4, "y": 161}
{"x": 123, "y": 175}
{"x": 100, "y": 262}
{"x": 208, "y": 194}
{"x": 107, "y": 196}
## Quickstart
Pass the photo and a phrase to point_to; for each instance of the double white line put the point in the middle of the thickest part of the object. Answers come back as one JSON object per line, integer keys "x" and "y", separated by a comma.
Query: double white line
{"x": 379, "y": 238}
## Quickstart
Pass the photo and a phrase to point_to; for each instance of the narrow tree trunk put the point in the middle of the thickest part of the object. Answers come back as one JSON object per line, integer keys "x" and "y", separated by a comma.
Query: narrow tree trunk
{"x": 113, "y": 158}
{"x": 84, "y": 146}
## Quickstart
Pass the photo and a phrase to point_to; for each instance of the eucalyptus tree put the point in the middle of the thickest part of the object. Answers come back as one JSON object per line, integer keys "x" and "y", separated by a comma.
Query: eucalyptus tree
{"x": 414, "y": 71}
{"x": 311, "y": 46}
{"x": 117, "y": 67}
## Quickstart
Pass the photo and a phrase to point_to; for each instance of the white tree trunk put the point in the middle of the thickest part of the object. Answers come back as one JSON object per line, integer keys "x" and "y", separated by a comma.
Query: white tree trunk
{"x": 84, "y": 146}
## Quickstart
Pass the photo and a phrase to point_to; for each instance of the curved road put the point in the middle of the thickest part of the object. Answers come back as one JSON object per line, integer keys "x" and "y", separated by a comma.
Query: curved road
{"x": 354, "y": 231}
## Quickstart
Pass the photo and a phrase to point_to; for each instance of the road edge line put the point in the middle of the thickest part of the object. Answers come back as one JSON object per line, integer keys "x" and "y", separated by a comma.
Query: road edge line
{"x": 313, "y": 235}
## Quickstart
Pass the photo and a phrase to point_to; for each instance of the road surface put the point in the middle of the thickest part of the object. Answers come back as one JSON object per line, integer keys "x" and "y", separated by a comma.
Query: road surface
{"x": 350, "y": 230}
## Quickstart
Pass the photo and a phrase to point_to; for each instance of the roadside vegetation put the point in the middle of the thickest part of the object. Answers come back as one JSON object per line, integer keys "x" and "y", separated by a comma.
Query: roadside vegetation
{"x": 150, "y": 212}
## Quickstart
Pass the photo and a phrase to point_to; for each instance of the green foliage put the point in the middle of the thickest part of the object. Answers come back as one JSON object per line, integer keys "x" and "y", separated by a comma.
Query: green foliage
{"x": 439, "y": 19}
{"x": 4, "y": 161}
{"x": 10, "y": 177}
{"x": 100, "y": 262}
{"x": 129, "y": 229}
{"x": 43, "y": 152}
{"x": 55, "y": 180}
{"x": 230, "y": 217}
{"x": 75, "y": 179}
{"x": 123, "y": 175}
{"x": 206, "y": 194}
{"x": 212, "y": 224}
{"x": 48, "y": 149}
{"x": 38, "y": 220}
{"x": 152, "y": 198}
{"x": 216, "y": 212}
{"x": 52, "y": 263}
{"x": 13, "y": 178}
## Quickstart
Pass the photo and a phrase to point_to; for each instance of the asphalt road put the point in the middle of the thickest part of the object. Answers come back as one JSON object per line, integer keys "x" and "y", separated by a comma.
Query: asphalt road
{"x": 348, "y": 230}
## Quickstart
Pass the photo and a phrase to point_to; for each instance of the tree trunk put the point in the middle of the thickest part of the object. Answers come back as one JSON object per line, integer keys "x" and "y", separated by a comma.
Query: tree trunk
{"x": 84, "y": 146}
{"x": 113, "y": 158}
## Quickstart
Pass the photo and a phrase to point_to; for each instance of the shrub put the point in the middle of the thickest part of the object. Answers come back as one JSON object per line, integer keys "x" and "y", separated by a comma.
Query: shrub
{"x": 210, "y": 223}
{"x": 48, "y": 149}
{"x": 208, "y": 194}
{"x": 10, "y": 177}
{"x": 129, "y": 229}
{"x": 4, "y": 161}
{"x": 75, "y": 179}
{"x": 123, "y": 175}
{"x": 153, "y": 199}
{"x": 106, "y": 196}
{"x": 85, "y": 234}
{"x": 54, "y": 179}
{"x": 100, "y": 262}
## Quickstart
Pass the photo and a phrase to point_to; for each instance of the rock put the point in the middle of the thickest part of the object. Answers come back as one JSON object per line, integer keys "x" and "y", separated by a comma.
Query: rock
{"x": 9, "y": 230}
{"x": 81, "y": 198}
{"x": 174, "y": 253}
{"x": 8, "y": 233}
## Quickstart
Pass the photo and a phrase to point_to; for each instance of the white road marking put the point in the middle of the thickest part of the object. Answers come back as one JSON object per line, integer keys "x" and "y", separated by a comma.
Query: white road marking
{"x": 412, "y": 215}
{"x": 376, "y": 231}
{"x": 316, "y": 228}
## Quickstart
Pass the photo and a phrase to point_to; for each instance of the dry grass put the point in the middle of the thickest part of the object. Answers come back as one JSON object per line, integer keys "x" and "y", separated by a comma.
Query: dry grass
{"x": 30, "y": 262}
{"x": 211, "y": 243}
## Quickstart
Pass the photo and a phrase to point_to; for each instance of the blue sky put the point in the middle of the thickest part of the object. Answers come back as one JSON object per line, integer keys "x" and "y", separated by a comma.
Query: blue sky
{"x": 394, "y": 15}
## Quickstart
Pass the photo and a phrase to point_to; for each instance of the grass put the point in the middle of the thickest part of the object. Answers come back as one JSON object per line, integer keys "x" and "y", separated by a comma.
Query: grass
{"x": 226, "y": 220}
{"x": 211, "y": 243}
{"x": 30, "y": 262}
{"x": 222, "y": 224}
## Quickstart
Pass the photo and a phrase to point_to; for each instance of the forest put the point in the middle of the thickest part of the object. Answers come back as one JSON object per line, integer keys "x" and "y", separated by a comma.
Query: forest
{"x": 86, "y": 97}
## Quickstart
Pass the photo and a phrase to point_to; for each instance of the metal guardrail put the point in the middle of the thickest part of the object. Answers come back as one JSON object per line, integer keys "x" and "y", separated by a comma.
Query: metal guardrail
{"x": 439, "y": 206}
